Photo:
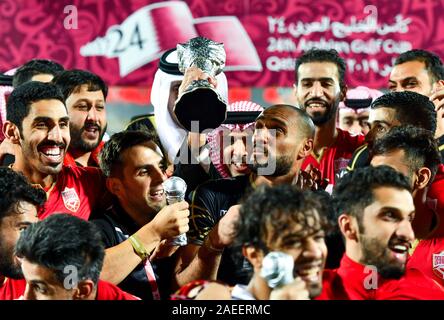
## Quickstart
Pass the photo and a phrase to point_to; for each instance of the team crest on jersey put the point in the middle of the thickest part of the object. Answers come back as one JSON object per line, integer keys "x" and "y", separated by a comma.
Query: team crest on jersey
{"x": 71, "y": 199}
{"x": 438, "y": 264}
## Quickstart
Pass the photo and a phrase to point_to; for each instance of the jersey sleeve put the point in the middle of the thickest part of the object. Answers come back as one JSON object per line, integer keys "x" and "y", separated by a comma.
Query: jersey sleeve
{"x": 202, "y": 215}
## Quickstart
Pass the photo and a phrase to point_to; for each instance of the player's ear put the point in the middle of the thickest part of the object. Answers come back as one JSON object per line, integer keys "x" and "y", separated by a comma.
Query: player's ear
{"x": 306, "y": 149}
{"x": 348, "y": 226}
{"x": 114, "y": 185}
{"x": 423, "y": 177}
{"x": 84, "y": 290}
{"x": 11, "y": 132}
{"x": 343, "y": 94}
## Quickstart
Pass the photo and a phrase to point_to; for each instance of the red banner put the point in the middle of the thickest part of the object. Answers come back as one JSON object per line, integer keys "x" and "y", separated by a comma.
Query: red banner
{"x": 121, "y": 40}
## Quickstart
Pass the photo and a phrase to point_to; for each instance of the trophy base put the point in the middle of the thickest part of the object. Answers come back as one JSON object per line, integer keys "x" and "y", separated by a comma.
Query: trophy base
{"x": 203, "y": 106}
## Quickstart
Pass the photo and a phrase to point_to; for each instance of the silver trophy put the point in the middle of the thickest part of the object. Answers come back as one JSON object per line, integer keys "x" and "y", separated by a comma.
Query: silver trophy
{"x": 200, "y": 101}
{"x": 175, "y": 189}
{"x": 277, "y": 269}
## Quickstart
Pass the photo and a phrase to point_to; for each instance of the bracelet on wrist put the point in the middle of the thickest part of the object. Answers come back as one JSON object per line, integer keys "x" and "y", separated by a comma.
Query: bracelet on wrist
{"x": 139, "y": 248}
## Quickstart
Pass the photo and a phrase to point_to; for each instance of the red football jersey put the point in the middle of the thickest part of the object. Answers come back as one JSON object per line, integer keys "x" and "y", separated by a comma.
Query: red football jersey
{"x": 15, "y": 289}
{"x": 334, "y": 159}
{"x": 77, "y": 191}
{"x": 93, "y": 158}
{"x": 108, "y": 291}
{"x": 435, "y": 196}
{"x": 12, "y": 289}
{"x": 354, "y": 281}
{"x": 428, "y": 256}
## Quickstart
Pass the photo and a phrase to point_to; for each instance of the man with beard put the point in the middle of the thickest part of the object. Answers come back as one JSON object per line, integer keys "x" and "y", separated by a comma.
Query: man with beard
{"x": 41, "y": 70}
{"x": 422, "y": 72}
{"x": 282, "y": 138}
{"x": 38, "y": 124}
{"x": 319, "y": 88}
{"x": 288, "y": 224}
{"x": 18, "y": 209}
{"x": 391, "y": 110}
{"x": 138, "y": 219}
{"x": 375, "y": 210}
{"x": 414, "y": 152}
{"x": 85, "y": 95}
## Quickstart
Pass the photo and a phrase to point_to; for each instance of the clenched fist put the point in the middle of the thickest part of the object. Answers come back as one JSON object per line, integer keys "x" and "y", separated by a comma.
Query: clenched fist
{"x": 172, "y": 220}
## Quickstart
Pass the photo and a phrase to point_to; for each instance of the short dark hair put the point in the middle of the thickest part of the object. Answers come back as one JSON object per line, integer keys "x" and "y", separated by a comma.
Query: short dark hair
{"x": 70, "y": 81}
{"x": 275, "y": 207}
{"x": 14, "y": 188}
{"x": 21, "y": 98}
{"x": 355, "y": 190}
{"x": 112, "y": 152}
{"x": 411, "y": 108}
{"x": 143, "y": 123}
{"x": 419, "y": 146}
{"x": 433, "y": 63}
{"x": 63, "y": 240}
{"x": 305, "y": 124}
{"x": 321, "y": 55}
{"x": 34, "y": 67}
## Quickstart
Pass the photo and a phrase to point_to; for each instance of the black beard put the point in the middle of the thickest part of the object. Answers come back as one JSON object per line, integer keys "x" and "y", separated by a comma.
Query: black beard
{"x": 375, "y": 253}
{"x": 79, "y": 144}
{"x": 320, "y": 119}
{"x": 8, "y": 268}
{"x": 283, "y": 166}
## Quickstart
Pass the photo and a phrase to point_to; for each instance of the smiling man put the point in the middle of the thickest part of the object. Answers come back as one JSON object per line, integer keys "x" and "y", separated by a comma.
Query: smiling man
{"x": 283, "y": 137}
{"x": 38, "y": 124}
{"x": 375, "y": 210}
{"x": 416, "y": 70}
{"x": 286, "y": 220}
{"x": 320, "y": 86}
{"x": 139, "y": 218}
{"x": 230, "y": 144}
{"x": 85, "y": 94}
{"x": 422, "y": 72}
{"x": 414, "y": 152}
{"x": 289, "y": 224}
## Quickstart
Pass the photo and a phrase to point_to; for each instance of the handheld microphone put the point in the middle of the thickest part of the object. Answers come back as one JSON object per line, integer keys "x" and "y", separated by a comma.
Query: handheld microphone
{"x": 175, "y": 188}
{"x": 277, "y": 269}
